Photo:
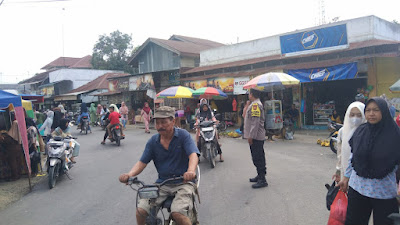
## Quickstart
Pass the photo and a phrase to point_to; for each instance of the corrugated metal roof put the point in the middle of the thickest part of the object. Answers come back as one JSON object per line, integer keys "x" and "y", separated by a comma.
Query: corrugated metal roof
{"x": 40, "y": 77}
{"x": 61, "y": 62}
{"x": 108, "y": 93}
{"x": 85, "y": 62}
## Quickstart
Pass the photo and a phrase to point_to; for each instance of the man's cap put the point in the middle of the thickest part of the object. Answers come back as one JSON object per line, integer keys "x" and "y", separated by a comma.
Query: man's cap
{"x": 164, "y": 112}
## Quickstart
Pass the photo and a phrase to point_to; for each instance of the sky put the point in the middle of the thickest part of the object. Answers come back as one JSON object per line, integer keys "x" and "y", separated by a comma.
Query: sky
{"x": 35, "y": 32}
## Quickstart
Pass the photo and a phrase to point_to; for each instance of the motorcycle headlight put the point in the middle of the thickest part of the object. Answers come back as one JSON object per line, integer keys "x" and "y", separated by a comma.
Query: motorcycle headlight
{"x": 208, "y": 134}
{"x": 147, "y": 193}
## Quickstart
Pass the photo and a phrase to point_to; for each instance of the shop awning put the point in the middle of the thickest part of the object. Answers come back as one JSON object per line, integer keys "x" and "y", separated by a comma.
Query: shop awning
{"x": 33, "y": 98}
{"x": 68, "y": 97}
{"x": 395, "y": 88}
{"x": 108, "y": 93}
{"x": 337, "y": 72}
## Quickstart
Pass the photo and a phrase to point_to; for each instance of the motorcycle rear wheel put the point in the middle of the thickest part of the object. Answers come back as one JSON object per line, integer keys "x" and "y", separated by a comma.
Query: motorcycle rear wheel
{"x": 53, "y": 170}
{"x": 223, "y": 126}
{"x": 118, "y": 140}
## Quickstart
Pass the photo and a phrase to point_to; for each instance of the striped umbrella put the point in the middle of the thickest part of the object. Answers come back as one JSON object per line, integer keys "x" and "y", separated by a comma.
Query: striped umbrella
{"x": 272, "y": 81}
{"x": 209, "y": 93}
{"x": 176, "y": 92}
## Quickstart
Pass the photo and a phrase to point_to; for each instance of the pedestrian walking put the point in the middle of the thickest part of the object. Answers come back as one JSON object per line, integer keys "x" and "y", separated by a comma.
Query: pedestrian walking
{"x": 371, "y": 175}
{"x": 352, "y": 120}
{"x": 254, "y": 131}
{"x": 124, "y": 114}
{"x": 93, "y": 111}
{"x": 146, "y": 115}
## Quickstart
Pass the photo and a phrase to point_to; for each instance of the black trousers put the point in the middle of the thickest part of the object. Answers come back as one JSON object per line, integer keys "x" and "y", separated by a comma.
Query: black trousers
{"x": 360, "y": 207}
{"x": 258, "y": 156}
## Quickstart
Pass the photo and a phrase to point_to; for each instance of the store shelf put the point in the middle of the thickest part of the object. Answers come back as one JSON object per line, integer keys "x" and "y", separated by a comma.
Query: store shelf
{"x": 321, "y": 113}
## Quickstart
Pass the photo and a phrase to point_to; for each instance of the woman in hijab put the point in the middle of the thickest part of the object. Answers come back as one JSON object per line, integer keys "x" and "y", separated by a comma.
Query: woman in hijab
{"x": 63, "y": 131}
{"x": 335, "y": 117}
{"x": 371, "y": 175}
{"x": 92, "y": 112}
{"x": 146, "y": 115}
{"x": 353, "y": 119}
{"x": 205, "y": 114}
{"x": 47, "y": 123}
{"x": 124, "y": 114}
{"x": 98, "y": 111}
{"x": 57, "y": 118}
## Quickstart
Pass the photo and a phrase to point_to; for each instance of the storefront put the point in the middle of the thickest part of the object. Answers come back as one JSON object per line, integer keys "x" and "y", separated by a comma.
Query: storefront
{"x": 326, "y": 89}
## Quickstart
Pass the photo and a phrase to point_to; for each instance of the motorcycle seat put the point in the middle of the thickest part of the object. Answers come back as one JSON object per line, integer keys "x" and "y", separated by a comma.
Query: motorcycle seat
{"x": 168, "y": 202}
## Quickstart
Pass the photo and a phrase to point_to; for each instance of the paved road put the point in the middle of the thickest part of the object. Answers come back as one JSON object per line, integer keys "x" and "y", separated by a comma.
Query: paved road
{"x": 297, "y": 171}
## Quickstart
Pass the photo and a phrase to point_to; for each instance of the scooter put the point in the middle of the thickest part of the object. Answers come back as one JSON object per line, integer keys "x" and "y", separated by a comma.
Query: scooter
{"x": 84, "y": 124}
{"x": 59, "y": 155}
{"x": 116, "y": 134}
{"x": 334, "y": 128}
{"x": 208, "y": 141}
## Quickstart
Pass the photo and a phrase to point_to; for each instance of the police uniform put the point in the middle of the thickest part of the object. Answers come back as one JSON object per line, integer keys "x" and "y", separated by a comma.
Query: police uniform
{"x": 254, "y": 128}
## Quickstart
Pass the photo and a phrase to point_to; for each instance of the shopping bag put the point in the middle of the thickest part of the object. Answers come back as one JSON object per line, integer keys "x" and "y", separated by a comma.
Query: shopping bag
{"x": 338, "y": 209}
{"x": 331, "y": 195}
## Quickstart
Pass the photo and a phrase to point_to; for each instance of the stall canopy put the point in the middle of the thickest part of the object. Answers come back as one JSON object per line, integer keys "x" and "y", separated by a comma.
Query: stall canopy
{"x": 337, "y": 72}
{"x": 14, "y": 102}
{"x": 34, "y": 98}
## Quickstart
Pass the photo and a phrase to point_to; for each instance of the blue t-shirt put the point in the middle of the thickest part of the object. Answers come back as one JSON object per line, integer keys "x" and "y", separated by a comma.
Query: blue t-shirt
{"x": 174, "y": 161}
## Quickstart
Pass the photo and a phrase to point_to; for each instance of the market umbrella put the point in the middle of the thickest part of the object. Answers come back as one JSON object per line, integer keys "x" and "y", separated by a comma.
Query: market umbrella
{"x": 271, "y": 81}
{"x": 395, "y": 88}
{"x": 176, "y": 92}
{"x": 209, "y": 93}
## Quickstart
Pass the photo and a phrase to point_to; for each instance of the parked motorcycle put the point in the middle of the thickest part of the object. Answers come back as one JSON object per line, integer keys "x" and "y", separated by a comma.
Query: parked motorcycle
{"x": 334, "y": 128}
{"x": 223, "y": 124}
{"x": 208, "y": 141}
{"x": 59, "y": 155}
{"x": 151, "y": 192}
{"x": 116, "y": 134}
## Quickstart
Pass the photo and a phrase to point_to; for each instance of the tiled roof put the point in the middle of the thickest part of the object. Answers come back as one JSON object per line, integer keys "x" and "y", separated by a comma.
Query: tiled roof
{"x": 62, "y": 62}
{"x": 352, "y": 46}
{"x": 98, "y": 83}
{"x": 85, "y": 62}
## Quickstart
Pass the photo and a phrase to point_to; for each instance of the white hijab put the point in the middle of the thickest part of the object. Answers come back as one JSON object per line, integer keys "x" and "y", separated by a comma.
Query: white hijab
{"x": 347, "y": 132}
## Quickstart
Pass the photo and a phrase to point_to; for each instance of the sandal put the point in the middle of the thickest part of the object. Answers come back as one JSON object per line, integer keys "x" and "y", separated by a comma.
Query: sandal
{"x": 103, "y": 143}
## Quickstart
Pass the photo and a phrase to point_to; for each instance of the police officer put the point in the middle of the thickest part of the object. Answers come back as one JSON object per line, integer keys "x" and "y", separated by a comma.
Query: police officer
{"x": 254, "y": 131}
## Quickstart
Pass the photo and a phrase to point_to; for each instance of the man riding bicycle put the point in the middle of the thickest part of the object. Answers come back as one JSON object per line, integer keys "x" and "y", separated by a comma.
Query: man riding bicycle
{"x": 174, "y": 154}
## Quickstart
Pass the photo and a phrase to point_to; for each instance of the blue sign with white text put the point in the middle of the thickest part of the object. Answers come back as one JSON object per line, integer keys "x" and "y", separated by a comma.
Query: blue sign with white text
{"x": 314, "y": 39}
{"x": 338, "y": 72}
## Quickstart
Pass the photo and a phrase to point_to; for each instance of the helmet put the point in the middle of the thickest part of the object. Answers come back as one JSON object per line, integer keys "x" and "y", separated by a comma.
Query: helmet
{"x": 360, "y": 97}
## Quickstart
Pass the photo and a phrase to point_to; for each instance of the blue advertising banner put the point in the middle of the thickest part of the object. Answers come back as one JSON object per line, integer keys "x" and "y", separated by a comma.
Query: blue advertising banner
{"x": 314, "y": 39}
{"x": 338, "y": 72}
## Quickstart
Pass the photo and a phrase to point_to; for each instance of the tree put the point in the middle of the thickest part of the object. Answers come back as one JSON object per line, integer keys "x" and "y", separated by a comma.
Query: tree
{"x": 112, "y": 52}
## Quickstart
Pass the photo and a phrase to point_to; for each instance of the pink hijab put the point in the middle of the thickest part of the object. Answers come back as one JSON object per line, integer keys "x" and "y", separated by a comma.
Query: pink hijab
{"x": 124, "y": 109}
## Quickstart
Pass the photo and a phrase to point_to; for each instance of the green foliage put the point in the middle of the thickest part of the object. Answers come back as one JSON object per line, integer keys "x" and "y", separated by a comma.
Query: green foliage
{"x": 112, "y": 52}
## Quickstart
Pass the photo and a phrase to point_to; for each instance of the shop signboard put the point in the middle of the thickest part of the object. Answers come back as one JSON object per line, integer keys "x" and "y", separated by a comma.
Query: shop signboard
{"x": 112, "y": 85}
{"x": 239, "y": 82}
{"x": 47, "y": 91}
{"x": 173, "y": 78}
{"x": 141, "y": 82}
{"x": 337, "y": 72}
{"x": 314, "y": 39}
{"x": 225, "y": 84}
{"x": 123, "y": 84}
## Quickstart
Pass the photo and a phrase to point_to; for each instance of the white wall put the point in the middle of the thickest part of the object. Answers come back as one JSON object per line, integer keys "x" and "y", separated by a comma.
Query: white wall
{"x": 78, "y": 77}
{"x": 359, "y": 29}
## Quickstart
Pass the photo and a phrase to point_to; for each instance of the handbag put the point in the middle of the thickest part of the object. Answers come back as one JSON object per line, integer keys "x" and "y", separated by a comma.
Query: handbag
{"x": 338, "y": 209}
{"x": 331, "y": 195}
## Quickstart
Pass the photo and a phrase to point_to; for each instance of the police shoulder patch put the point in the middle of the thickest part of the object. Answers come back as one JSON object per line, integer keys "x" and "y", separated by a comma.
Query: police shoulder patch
{"x": 255, "y": 110}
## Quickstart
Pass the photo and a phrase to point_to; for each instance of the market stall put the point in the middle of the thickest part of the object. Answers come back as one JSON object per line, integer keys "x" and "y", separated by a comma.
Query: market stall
{"x": 14, "y": 103}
